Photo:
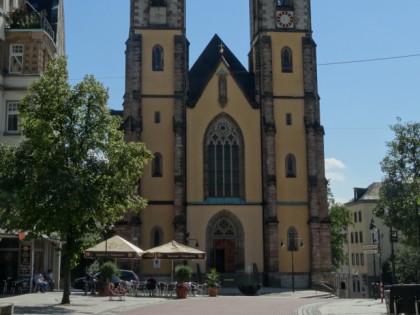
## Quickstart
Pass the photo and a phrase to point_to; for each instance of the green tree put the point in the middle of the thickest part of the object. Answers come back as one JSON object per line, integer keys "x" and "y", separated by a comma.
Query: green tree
{"x": 407, "y": 264}
{"x": 340, "y": 217}
{"x": 399, "y": 204}
{"x": 73, "y": 173}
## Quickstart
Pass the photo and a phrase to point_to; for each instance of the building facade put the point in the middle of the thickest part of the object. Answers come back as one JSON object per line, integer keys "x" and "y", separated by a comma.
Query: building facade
{"x": 31, "y": 34}
{"x": 369, "y": 244}
{"x": 238, "y": 153}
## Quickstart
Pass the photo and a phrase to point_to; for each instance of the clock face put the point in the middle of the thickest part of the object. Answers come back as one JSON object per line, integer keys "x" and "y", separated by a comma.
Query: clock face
{"x": 284, "y": 19}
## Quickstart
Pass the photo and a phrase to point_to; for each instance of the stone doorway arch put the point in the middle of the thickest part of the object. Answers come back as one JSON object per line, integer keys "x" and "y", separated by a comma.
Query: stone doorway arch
{"x": 225, "y": 242}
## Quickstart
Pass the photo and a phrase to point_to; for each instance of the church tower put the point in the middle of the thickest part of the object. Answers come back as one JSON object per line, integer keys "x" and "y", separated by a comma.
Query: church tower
{"x": 154, "y": 113}
{"x": 238, "y": 166}
{"x": 283, "y": 60}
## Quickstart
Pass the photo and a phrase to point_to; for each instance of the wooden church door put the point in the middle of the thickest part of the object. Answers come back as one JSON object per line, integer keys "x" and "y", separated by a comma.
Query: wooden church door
{"x": 224, "y": 253}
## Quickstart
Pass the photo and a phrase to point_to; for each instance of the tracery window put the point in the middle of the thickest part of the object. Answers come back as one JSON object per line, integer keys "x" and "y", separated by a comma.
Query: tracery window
{"x": 286, "y": 60}
{"x": 224, "y": 228}
{"x": 223, "y": 156}
{"x": 157, "y": 58}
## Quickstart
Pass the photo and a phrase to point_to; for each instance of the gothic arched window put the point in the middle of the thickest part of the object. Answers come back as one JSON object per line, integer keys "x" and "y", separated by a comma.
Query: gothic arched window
{"x": 222, "y": 88}
{"x": 223, "y": 159}
{"x": 288, "y": 3}
{"x": 290, "y": 165}
{"x": 156, "y": 236}
{"x": 157, "y": 58}
{"x": 157, "y": 165}
{"x": 158, "y": 3}
{"x": 286, "y": 60}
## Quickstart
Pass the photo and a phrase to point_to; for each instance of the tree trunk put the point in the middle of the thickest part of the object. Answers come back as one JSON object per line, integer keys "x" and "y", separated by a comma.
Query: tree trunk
{"x": 67, "y": 254}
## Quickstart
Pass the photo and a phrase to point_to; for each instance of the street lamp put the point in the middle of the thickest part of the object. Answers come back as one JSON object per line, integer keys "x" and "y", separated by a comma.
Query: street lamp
{"x": 393, "y": 237}
{"x": 377, "y": 241}
{"x": 292, "y": 246}
{"x": 107, "y": 227}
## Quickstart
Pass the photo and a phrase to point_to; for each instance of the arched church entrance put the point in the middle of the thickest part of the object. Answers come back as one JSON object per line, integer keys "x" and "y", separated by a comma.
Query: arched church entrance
{"x": 225, "y": 242}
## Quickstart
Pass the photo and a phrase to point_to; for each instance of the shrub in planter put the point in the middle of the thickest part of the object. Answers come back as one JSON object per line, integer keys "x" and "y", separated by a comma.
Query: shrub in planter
{"x": 213, "y": 281}
{"x": 108, "y": 274}
{"x": 182, "y": 274}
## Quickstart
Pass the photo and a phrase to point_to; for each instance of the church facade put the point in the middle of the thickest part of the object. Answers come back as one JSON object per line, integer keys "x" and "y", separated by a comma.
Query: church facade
{"x": 238, "y": 166}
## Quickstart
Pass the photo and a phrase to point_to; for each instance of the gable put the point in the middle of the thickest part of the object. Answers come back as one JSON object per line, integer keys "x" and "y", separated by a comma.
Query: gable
{"x": 206, "y": 65}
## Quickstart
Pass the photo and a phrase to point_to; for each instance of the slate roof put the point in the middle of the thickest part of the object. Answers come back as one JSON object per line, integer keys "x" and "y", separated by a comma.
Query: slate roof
{"x": 368, "y": 194}
{"x": 205, "y": 66}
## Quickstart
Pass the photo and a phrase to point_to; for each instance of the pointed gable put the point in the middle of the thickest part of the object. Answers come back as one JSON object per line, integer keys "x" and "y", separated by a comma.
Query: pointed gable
{"x": 205, "y": 66}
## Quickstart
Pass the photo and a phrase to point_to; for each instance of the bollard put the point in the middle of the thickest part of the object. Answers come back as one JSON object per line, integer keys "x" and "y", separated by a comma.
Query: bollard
{"x": 381, "y": 286}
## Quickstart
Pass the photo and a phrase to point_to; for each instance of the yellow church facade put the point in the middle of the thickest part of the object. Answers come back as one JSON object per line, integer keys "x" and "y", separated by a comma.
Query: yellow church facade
{"x": 238, "y": 164}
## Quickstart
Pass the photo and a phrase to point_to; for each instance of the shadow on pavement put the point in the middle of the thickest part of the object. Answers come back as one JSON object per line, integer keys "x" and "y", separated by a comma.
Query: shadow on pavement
{"x": 42, "y": 310}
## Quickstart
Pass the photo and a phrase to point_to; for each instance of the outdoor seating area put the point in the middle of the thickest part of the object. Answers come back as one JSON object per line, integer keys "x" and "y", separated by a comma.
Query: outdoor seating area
{"x": 161, "y": 289}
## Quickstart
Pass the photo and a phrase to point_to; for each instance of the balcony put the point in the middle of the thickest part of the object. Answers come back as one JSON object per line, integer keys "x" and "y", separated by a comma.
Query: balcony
{"x": 29, "y": 21}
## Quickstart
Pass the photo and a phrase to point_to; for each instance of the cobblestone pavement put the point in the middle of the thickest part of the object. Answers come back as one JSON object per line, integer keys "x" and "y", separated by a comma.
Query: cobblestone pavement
{"x": 241, "y": 305}
{"x": 271, "y": 301}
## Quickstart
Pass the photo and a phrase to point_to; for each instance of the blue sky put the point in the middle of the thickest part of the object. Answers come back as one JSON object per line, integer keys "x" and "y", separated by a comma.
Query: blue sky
{"x": 368, "y": 67}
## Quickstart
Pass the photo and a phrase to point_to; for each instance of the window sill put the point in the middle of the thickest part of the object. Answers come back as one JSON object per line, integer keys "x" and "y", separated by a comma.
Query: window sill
{"x": 12, "y": 133}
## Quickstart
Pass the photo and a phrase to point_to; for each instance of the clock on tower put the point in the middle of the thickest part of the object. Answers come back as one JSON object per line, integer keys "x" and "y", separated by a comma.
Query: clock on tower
{"x": 284, "y": 19}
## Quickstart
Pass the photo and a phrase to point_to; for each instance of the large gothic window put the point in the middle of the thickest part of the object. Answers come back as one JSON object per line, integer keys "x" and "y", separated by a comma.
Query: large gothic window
{"x": 286, "y": 60}
{"x": 223, "y": 159}
{"x": 157, "y": 58}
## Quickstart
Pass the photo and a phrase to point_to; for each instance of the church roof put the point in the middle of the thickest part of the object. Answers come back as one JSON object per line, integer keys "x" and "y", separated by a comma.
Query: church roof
{"x": 205, "y": 66}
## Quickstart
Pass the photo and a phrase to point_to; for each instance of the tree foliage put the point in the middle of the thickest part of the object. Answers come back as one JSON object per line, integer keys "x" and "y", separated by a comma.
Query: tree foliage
{"x": 407, "y": 261}
{"x": 399, "y": 204}
{"x": 340, "y": 217}
{"x": 73, "y": 172}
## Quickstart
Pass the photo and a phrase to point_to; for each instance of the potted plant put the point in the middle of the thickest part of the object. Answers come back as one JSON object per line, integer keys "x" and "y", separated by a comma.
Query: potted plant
{"x": 213, "y": 281}
{"x": 182, "y": 274}
{"x": 108, "y": 274}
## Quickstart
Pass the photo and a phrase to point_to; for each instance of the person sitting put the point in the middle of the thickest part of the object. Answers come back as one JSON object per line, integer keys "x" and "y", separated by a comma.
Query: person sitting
{"x": 151, "y": 286}
{"x": 50, "y": 279}
{"x": 40, "y": 282}
{"x": 90, "y": 284}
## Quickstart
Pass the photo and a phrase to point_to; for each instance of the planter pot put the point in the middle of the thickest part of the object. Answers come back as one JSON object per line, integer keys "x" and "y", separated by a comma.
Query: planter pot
{"x": 103, "y": 291}
{"x": 249, "y": 289}
{"x": 213, "y": 291}
{"x": 181, "y": 291}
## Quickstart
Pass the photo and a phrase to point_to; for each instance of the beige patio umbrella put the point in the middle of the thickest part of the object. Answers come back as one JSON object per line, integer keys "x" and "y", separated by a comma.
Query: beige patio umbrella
{"x": 173, "y": 250}
{"x": 115, "y": 247}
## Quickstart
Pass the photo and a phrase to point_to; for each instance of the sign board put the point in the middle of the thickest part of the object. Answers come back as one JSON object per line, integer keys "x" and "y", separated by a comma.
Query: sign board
{"x": 156, "y": 263}
{"x": 370, "y": 249}
{"x": 370, "y": 246}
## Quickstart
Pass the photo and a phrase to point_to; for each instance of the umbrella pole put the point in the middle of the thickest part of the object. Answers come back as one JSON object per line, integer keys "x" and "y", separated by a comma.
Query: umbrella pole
{"x": 172, "y": 270}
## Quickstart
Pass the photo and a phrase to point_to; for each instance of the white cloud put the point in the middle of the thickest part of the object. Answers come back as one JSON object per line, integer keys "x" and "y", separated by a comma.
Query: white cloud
{"x": 332, "y": 163}
{"x": 332, "y": 169}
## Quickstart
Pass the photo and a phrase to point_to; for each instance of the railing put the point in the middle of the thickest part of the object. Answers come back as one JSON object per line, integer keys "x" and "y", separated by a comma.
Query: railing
{"x": 29, "y": 20}
{"x": 324, "y": 287}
